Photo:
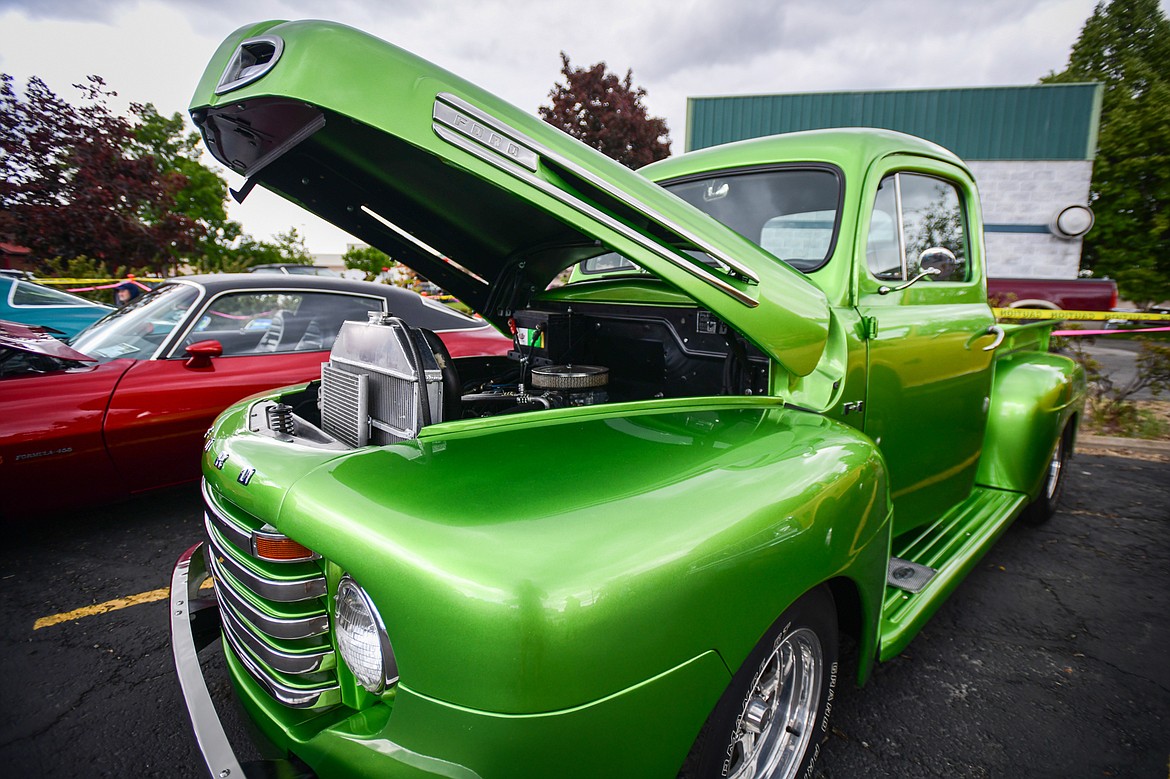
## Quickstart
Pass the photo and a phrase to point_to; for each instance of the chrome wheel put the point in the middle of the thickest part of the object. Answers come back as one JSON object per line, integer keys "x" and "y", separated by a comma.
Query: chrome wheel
{"x": 1043, "y": 507}
{"x": 1054, "y": 470}
{"x": 776, "y": 722}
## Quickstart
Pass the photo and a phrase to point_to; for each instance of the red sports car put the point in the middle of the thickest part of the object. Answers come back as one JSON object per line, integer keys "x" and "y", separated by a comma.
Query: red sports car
{"x": 124, "y": 408}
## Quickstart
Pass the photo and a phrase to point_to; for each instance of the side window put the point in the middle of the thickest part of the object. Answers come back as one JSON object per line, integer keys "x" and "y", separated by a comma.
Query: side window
{"x": 278, "y": 322}
{"x": 25, "y": 294}
{"x": 883, "y": 250}
{"x": 932, "y": 216}
{"x": 914, "y": 214}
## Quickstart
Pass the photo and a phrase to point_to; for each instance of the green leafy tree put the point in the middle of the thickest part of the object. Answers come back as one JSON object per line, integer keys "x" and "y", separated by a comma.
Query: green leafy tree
{"x": 83, "y": 267}
{"x": 72, "y": 181}
{"x": 246, "y": 251}
{"x": 291, "y": 247}
{"x": 243, "y": 254}
{"x": 605, "y": 112}
{"x": 1126, "y": 45}
{"x": 202, "y": 198}
{"x": 86, "y": 189}
{"x": 367, "y": 259}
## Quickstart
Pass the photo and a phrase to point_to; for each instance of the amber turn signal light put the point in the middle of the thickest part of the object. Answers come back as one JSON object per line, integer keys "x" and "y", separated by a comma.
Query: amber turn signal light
{"x": 279, "y": 549}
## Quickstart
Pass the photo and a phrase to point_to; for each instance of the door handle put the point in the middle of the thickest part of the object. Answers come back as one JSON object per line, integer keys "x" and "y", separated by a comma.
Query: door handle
{"x": 999, "y": 334}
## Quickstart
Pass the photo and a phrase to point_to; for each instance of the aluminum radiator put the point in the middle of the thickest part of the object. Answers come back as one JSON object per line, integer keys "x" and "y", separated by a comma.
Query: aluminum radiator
{"x": 373, "y": 386}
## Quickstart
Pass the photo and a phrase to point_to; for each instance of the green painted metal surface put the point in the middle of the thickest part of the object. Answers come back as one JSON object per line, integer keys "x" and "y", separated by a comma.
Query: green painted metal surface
{"x": 505, "y": 599}
{"x": 641, "y": 504}
{"x": 419, "y": 736}
{"x": 1038, "y": 122}
{"x": 952, "y": 546}
{"x": 1035, "y": 397}
{"x": 378, "y": 157}
{"x": 927, "y": 370}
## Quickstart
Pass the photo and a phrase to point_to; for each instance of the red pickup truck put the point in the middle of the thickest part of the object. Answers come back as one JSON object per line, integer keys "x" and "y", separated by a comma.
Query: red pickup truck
{"x": 1063, "y": 294}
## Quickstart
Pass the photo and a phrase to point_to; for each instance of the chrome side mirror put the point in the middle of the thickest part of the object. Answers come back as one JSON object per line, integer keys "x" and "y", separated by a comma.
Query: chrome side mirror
{"x": 944, "y": 259}
{"x": 885, "y": 290}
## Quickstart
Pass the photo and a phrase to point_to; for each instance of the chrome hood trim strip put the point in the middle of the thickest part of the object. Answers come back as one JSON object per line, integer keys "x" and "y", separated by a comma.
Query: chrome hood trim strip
{"x": 501, "y": 160}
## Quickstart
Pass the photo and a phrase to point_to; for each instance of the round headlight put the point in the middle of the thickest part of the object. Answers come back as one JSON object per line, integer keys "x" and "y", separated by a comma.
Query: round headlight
{"x": 362, "y": 639}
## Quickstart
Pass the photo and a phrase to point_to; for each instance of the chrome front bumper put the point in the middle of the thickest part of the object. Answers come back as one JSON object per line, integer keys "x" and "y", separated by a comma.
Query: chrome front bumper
{"x": 195, "y": 624}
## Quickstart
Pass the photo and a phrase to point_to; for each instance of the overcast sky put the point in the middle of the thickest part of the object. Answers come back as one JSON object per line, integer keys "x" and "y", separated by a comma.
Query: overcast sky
{"x": 155, "y": 50}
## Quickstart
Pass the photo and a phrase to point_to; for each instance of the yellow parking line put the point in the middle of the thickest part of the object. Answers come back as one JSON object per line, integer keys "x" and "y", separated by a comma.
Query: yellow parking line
{"x": 103, "y": 608}
{"x": 162, "y": 593}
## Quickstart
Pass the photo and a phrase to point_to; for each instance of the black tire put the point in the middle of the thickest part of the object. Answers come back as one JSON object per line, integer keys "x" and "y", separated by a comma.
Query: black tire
{"x": 1044, "y": 506}
{"x": 757, "y": 734}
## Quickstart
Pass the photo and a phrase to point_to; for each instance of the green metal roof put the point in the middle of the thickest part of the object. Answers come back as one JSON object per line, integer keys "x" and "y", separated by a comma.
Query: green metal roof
{"x": 1039, "y": 122}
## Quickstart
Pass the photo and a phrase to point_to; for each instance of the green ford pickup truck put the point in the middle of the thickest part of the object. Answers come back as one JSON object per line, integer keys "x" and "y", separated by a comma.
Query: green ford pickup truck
{"x": 771, "y": 410}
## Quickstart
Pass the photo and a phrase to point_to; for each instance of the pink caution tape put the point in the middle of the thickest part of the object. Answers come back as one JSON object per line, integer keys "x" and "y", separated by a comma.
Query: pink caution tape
{"x": 1139, "y": 331}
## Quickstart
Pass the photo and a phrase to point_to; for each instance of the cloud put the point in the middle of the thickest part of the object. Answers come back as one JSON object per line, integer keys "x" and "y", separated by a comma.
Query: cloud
{"x": 155, "y": 50}
{"x": 83, "y": 10}
{"x": 700, "y": 34}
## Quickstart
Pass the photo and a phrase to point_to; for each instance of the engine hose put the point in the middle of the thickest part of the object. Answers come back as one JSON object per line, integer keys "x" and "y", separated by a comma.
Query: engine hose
{"x": 416, "y": 360}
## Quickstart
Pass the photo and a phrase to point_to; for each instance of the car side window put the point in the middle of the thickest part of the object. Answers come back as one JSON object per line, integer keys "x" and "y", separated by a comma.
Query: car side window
{"x": 269, "y": 322}
{"x": 25, "y": 294}
{"x": 914, "y": 214}
{"x": 883, "y": 249}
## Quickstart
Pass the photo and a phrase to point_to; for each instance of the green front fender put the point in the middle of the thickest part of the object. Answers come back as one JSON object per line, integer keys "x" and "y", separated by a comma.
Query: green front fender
{"x": 536, "y": 567}
{"x": 1034, "y": 397}
{"x": 641, "y": 732}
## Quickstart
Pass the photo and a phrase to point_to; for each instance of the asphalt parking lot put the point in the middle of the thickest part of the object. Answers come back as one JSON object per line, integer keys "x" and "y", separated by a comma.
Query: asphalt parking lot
{"x": 1050, "y": 661}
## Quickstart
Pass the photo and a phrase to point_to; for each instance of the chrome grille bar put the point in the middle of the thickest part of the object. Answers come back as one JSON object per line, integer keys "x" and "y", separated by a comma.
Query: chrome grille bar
{"x": 275, "y": 627}
{"x": 240, "y": 536}
{"x": 292, "y": 591}
{"x": 293, "y": 697}
{"x": 291, "y": 658}
{"x": 285, "y": 662}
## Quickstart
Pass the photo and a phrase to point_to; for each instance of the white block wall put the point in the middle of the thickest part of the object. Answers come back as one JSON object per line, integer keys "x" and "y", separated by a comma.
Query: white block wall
{"x": 1022, "y": 192}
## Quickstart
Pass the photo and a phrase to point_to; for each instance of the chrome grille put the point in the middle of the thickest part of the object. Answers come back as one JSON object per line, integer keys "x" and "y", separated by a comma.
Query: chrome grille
{"x": 275, "y": 615}
{"x": 344, "y": 413}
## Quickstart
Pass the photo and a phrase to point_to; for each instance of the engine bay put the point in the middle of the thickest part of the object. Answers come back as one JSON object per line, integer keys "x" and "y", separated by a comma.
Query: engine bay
{"x": 386, "y": 380}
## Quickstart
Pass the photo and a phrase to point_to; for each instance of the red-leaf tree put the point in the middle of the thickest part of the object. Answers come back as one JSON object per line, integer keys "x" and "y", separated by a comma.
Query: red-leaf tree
{"x": 73, "y": 183}
{"x": 595, "y": 106}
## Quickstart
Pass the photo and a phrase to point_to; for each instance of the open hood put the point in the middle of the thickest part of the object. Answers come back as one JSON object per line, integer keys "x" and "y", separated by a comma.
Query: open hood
{"x": 35, "y": 339}
{"x": 482, "y": 198}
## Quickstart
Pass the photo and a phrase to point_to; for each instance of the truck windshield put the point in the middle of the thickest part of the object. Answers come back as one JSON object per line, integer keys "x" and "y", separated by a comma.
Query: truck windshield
{"x": 792, "y": 212}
